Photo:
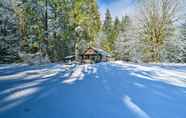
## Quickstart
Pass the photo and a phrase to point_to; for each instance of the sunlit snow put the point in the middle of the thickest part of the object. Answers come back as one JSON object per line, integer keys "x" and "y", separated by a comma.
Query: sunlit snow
{"x": 105, "y": 90}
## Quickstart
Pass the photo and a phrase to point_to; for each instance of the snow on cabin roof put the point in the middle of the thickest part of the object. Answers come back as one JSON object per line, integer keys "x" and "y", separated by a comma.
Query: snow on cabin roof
{"x": 69, "y": 57}
{"x": 101, "y": 51}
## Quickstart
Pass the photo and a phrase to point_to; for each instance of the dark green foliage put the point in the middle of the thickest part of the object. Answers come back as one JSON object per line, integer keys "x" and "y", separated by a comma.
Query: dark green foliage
{"x": 125, "y": 22}
{"x": 111, "y": 30}
{"x": 58, "y": 28}
{"x": 183, "y": 32}
{"x": 9, "y": 36}
{"x": 50, "y": 26}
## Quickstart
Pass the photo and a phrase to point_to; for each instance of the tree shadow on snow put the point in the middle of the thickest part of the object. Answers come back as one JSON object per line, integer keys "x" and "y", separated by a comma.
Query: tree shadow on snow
{"x": 142, "y": 94}
{"x": 15, "y": 93}
{"x": 94, "y": 91}
{"x": 111, "y": 90}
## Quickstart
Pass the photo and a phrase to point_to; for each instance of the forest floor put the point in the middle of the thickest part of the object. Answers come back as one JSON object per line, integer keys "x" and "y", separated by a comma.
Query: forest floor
{"x": 105, "y": 90}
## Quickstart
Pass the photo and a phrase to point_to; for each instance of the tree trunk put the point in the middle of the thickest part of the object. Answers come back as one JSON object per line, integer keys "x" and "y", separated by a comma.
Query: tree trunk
{"x": 77, "y": 50}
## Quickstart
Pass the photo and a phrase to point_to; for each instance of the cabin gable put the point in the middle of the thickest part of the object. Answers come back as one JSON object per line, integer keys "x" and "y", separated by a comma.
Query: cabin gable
{"x": 90, "y": 51}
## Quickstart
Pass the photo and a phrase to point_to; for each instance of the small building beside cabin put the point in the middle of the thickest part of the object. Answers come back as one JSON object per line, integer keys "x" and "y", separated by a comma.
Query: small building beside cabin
{"x": 69, "y": 59}
{"x": 95, "y": 55}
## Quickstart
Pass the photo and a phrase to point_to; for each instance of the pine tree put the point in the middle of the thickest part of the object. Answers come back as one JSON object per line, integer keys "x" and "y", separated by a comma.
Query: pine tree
{"x": 108, "y": 23}
{"x": 60, "y": 29}
{"x": 87, "y": 23}
{"x": 183, "y": 41}
{"x": 115, "y": 33}
{"x": 31, "y": 17}
{"x": 52, "y": 26}
{"x": 117, "y": 25}
{"x": 125, "y": 42}
{"x": 93, "y": 22}
{"x": 125, "y": 22}
{"x": 9, "y": 35}
{"x": 107, "y": 28}
{"x": 111, "y": 30}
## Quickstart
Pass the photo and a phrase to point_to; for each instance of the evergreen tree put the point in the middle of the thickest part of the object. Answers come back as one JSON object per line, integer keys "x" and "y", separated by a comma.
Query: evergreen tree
{"x": 125, "y": 42}
{"x": 53, "y": 24}
{"x": 124, "y": 22}
{"x": 93, "y": 23}
{"x": 31, "y": 17}
{"x": 115, "y": 33}
{"x": 108, "y": 31}
{"x": 117, "y": 25}
{"x": 61, "y": 29}
{"x": 183, "y": 41}
{"x": 108, "y": 23}
{"x": 111, "y": 30}
{"x": 86, "y": 23}
{"x": 9, "y": 35}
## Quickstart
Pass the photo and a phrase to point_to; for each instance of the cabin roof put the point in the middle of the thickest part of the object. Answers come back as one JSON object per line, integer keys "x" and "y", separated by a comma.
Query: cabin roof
{"x": 99, "y": 51}
{"x": 69, "y": 57}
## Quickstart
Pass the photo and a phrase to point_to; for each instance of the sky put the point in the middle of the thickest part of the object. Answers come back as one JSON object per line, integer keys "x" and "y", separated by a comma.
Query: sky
{"x": 118, "y": 8}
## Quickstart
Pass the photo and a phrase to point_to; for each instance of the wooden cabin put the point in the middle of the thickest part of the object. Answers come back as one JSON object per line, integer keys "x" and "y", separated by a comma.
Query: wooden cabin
{"x": 95, "y": 55}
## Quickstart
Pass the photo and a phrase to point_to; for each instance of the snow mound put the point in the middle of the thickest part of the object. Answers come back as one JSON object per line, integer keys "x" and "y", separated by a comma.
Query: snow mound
{"x": 174, "y": 74}
{"x": 34, "y": 58}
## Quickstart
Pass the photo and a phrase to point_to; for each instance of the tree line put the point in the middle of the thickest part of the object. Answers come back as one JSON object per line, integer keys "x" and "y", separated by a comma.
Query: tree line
{"x": 58, "y": 28}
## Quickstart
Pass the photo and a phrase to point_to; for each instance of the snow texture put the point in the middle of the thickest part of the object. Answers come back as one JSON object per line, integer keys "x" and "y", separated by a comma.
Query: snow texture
{"x": 105, "y": 90}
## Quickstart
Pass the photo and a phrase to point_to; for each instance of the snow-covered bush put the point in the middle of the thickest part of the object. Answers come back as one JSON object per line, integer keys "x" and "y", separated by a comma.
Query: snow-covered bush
{"x": 36, "y": 58}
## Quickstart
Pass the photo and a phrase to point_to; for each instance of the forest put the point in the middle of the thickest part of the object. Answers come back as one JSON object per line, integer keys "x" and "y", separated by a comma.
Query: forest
{"x": 54, "y": 29}
{"x": 92, "y": 58}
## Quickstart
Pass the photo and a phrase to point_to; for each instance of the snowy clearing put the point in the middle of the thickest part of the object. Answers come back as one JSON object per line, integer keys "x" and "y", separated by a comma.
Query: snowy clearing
{"x": 105, "y": 90}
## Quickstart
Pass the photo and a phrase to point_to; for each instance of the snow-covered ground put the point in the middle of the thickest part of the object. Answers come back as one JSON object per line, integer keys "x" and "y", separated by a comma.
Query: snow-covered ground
{"x": 105, "y": 90}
